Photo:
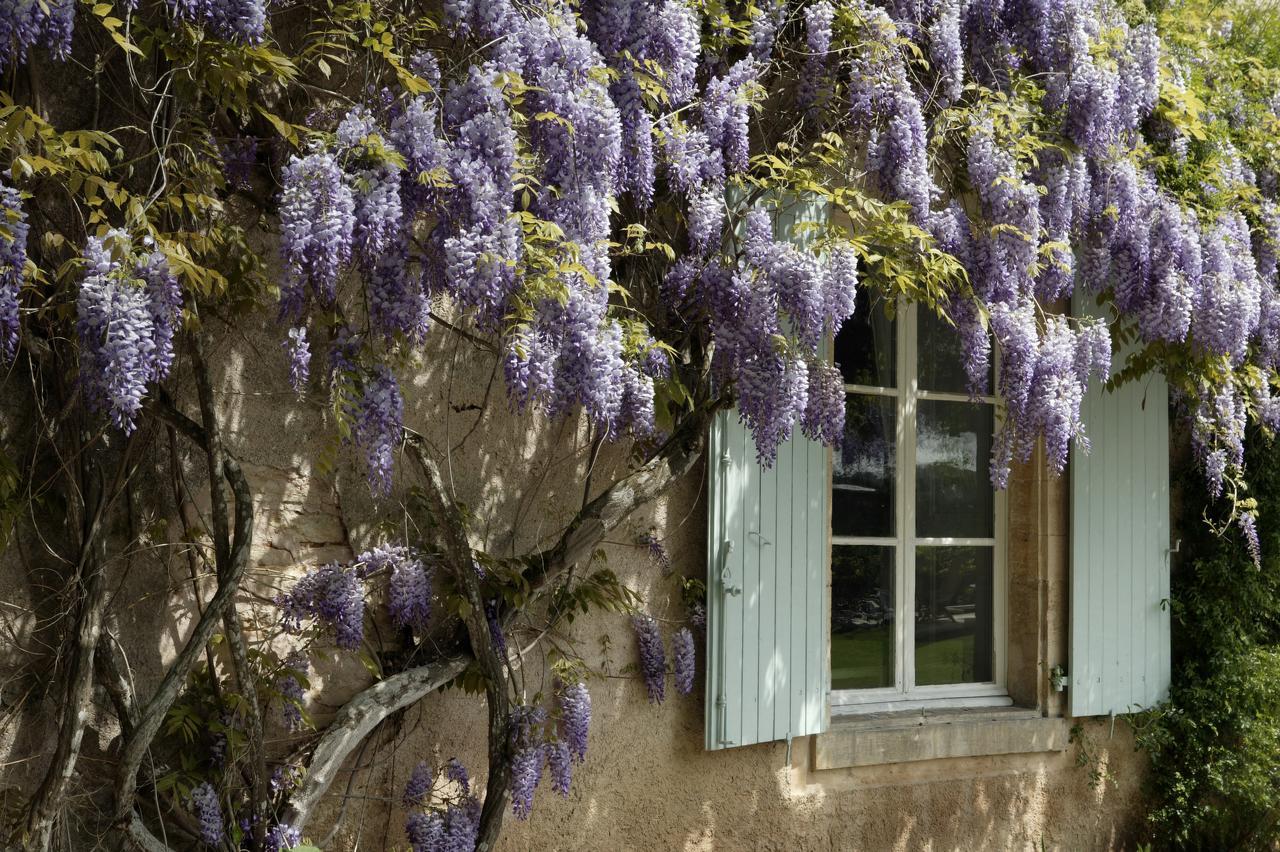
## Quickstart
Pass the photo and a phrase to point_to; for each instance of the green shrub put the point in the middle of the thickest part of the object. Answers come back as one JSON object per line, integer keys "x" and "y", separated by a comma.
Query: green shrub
{"x": 1215, "y": 746}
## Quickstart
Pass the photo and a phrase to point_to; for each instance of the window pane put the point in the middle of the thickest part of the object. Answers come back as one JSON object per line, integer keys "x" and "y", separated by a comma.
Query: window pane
{"x": 941, "y": 356}
{"x": 862, "y": 478}
{"x": 953, "y": 453}
{"x": 954, "y": 623}
{"x": 861, "y": 617}
{"x": 865, "y": 344}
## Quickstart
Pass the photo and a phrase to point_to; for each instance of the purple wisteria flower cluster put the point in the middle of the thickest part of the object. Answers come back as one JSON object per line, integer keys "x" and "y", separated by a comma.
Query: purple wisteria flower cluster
{"x": 505, "y": 196}
{"x": 450, "y": 821}
{"x": 127, "y": 313}
{"x": 528, "y": 747}
{"x": 292, "y": 694}
{"x": 13, "y": 257}
{"x": 334, "y": 594}
{"x": 232, "y": 20}
{"x": 208, "y": 813}
{"x": 29, "y": 24}
{"x": 573, "y": 703}
{"x": 409, "y": 585}
{"x": 653, "y": 658}
{"x": 282, "y": 837}
{"x": 779, "y": 287}
{"x": 683, "y": 660}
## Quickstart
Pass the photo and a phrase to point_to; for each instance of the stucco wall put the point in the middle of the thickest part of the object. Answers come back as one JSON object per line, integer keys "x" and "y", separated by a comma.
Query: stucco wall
{"x": 647, "y": 783}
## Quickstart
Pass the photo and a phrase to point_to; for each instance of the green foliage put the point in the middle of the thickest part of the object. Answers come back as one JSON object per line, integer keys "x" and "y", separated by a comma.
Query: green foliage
{"x": 1215, "y": 746}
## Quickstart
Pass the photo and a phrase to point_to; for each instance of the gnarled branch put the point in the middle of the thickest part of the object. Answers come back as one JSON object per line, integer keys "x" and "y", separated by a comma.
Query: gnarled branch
{"x": 152, "y": 715}
{"x": 357, "y": 719}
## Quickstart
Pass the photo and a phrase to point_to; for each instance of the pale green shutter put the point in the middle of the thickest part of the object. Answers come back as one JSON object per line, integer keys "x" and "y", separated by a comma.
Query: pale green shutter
{"x": 766, "y": 589}
{"x": 767, "y": 565}
{"x": 1120, "y": 551}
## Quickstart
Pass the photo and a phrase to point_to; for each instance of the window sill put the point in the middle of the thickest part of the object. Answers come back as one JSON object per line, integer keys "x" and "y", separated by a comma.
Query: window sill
{"x": 875, "y": 739}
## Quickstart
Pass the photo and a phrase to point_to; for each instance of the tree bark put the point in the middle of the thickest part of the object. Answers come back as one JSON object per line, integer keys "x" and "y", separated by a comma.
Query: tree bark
{"x": 357, "y": 719}
{"x": 78, "y": 696}
{"x": 459, "y": 556}
{"x": 232, "y": 626}
{"x": 152, "y": 715}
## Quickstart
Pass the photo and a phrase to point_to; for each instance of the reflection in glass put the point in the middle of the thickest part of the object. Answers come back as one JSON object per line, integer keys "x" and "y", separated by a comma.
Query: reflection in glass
{"x": 940, "y": 356}
{"x": 954, "y": 625}
{"x": 865, "y": 344}
{"x": 861, "y": 617}
{"x": 954, "y": 498}
{"x": 862, "y": 476}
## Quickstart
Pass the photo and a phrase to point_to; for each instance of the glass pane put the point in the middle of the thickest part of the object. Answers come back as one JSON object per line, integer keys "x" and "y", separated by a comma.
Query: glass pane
{"x": 865, "y": 344}
{"x": 940, "y": 355}
{"x": 863, "y": 469}
{"x": 953, "y": 451}
{"x": 954, "y": 623}
{"x": 861, "y": 617}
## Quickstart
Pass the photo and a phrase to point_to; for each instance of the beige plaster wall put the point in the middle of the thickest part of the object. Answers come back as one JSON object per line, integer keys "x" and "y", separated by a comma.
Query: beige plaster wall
{"x": 647, "y": 783}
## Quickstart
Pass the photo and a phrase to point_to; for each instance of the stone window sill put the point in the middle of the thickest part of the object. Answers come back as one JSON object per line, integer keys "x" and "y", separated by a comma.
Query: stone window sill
{"x": 881, "y": 738}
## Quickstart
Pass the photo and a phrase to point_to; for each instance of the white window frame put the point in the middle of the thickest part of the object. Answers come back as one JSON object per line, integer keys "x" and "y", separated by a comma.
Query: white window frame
{"x": 904, "y": 695}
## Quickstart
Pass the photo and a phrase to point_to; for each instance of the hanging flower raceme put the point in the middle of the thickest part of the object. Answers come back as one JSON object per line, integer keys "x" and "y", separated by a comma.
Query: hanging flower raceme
{"x": 127, "y": 310}
{"x": 946, "y": 52}
{"x": 291, "y": 691}
{"x": 898, "y": 156}
{"x": 817, "y": 38}
{"x": 653, "y": 657}
{"x": 746, "y": 308}
{"x": 232, "y": 20}
{"x": 683, "y": 660}
{"x": 560, "y": 764}
{"x": 208, "y": 813}
{"x": 409, "y": 588}
{"x": 13, "y": 258}
{"x": 574, "y": 705}
{"x": 331, "y": 594}
{"x": 418, "y": 785}
{"x": 27, "y": 24}
{"x": 528, "y": 756}
{"x": 1227, "y": 305}
{"x": 317, "y": 223}
{"x": 877, "y": 74}
{"x": 379, "y": 426}
{"x": 282, "y": 837}
{"x": 415, "y": 134}
{"x": 482, "y": 244}
{"x": 449, "y": 825}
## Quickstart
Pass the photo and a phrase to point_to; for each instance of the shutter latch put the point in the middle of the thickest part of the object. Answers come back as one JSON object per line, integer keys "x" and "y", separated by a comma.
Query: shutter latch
{"x": 726, "y": 573}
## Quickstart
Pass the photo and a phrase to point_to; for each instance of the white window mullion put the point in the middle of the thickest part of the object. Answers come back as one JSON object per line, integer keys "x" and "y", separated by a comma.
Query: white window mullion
{"x": 907, "y": 478}
{"x": 902, "y": 626}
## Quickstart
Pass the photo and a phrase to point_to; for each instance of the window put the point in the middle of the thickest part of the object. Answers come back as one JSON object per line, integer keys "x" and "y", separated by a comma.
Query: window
{"x": 917, "y": 532}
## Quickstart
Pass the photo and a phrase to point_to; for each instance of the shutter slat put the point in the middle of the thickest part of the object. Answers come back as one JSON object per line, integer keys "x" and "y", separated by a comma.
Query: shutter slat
{"x": 1119, "y": 649}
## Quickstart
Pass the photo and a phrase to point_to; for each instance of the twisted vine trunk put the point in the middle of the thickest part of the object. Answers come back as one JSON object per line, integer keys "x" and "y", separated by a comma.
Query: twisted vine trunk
{"x": 452, "y": 535}
{"x": 151, "y": 716}
{"x": 90, "y": 608}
